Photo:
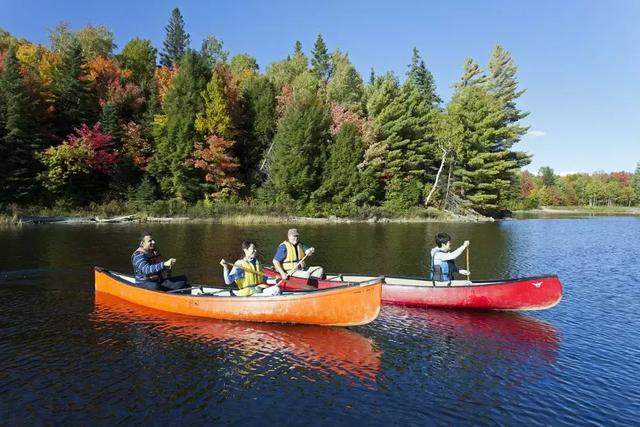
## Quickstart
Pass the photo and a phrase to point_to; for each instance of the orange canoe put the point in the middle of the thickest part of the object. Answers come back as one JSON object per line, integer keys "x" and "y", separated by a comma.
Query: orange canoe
{"x": 355, "y": 303}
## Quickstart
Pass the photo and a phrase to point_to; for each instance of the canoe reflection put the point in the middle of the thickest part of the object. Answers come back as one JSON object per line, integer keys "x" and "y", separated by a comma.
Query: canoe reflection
{"x": 337, "y": 350}
{"x": 519, "y": 335}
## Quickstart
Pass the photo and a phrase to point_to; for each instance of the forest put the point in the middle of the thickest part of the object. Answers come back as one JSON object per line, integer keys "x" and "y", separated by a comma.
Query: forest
{"x": 84, "y": 126}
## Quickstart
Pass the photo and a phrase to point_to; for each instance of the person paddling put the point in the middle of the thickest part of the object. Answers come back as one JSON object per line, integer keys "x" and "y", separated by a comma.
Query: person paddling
{"x": 247, "y": 274}
{"x": 149, "y": 268}
{"x": 443, "y": 266}
{"x": 290, "y": 256}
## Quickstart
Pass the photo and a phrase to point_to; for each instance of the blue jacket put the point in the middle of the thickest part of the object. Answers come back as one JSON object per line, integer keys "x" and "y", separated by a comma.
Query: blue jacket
{"x": 146, "y": 267}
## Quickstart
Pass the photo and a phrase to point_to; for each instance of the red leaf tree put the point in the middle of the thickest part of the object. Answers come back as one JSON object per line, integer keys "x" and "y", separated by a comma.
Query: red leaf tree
{"x": 218, "y": 165}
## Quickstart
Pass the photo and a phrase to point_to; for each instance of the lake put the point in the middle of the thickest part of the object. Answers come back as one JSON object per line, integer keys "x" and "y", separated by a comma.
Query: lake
{"x": 68, "y": 356}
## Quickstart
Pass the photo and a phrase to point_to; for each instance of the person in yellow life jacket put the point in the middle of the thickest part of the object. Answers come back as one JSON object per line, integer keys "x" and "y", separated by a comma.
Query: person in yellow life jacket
{"x": 288, "y": 257}
{"x": 247, "y": 274}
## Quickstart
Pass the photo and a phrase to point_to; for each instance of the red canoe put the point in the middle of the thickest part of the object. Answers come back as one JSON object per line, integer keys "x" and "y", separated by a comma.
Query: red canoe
{"x": 531, "y": 293}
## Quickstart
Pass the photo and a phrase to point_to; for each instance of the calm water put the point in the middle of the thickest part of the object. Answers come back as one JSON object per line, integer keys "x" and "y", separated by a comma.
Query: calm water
{"x": 69, "y": 357}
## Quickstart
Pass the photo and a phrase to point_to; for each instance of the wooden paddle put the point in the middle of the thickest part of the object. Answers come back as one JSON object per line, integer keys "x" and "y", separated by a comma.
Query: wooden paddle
{"x": 468, "y": 261}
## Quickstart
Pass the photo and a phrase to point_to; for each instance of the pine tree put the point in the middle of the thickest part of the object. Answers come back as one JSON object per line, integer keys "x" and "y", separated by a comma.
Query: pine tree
{"x": 297, "y": 48}
{"x": 300, "y": 143}
{"x": 342, "y": 182}
{"x": 471, "y": 75}
{"x": 109, "y": 120}
{"x": 176, "y": 140}
{"x": 422, "y": 79}
{"x": 176, "y": 42}
{"x": 74, "y": 103}
{"x": 502, "y": 84}
{"x": 20, "y": 136}
{"x": 320, "y": 60}
{"x": 487, "y": 164}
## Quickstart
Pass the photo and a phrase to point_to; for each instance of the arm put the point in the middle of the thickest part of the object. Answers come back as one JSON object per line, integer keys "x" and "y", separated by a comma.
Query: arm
{"x": 278, "y": 266}
{"x": 141, "y": 264}
{"x": 448, "y": 256}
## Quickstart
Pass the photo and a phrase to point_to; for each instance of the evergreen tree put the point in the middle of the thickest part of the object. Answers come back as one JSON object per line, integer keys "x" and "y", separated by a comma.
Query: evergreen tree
{"x": 382, "y": 93}
{"x": 422, "y": 79}
{"x": 178, "y": 135}
{"x": 176, "y": 42}
{"x": 20, "y": 136}
{"x": 487, "y": 165}
{"x": 297, "y": 48}
{"x": 74, "y": 102}
{"x": 259, "y": 100}
{"x": 109, "y": 121}
{"x": 320, "y": 60}
{"x": 346, "y": 86}
{"x": 300, "y": 143}
{"x": 548, "y": 176}
{"x": 342, "y": 182}
{"x": 471, "y": 75}
{"x": 502, "y": 84}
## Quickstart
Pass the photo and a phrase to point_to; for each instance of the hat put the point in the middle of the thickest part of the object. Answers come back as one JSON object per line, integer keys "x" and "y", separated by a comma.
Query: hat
{"x": 292, "y": 231}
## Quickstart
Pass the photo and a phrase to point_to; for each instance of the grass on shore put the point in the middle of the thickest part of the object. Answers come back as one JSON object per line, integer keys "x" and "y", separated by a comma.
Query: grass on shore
{"x": 619, "y": 210}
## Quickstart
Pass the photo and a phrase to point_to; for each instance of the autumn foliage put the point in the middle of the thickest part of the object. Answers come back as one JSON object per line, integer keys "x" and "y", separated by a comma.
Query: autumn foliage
{"x": 219, "y": 166}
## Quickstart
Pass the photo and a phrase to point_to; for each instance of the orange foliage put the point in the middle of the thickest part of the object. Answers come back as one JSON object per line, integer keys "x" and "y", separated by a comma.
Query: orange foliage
{"x": 219, "y": 166}
{"x": 164, "y": 77}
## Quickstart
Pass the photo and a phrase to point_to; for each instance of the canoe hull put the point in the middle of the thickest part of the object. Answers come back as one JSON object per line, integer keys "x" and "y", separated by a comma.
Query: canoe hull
{"x": 351, "y": 305}
{"x": 537, "y": 293}
{"x": 533, "y": 293}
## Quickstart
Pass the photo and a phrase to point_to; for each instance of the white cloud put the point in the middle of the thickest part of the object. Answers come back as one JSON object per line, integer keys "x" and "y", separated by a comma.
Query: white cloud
{"x": 536, "y": 133}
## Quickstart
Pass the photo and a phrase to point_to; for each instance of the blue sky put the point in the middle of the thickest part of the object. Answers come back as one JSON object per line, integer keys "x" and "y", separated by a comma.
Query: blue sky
{"x": 578, "y": 60}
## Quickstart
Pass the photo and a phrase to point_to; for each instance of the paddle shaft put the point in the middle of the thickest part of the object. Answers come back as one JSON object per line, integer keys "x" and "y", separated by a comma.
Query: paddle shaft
{"x": 468, "y": 260}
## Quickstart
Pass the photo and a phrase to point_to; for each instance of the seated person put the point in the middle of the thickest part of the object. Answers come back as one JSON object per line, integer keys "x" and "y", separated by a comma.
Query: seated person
{"x": 443, "y": 266}
{"x": 288, "y": 260}
{"x": 247, "y": 274}
{"x": 149, "y": 268}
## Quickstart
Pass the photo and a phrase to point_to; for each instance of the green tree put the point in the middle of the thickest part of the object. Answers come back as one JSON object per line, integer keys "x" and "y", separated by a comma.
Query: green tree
{"x": 139, "y": 57}
{"x": 259, "y": 100}
{"x": 342, "y": 181}
{"x": 501, "y": 83}
{"x": 176, "y": 41}
{"x": 61, "y": 37}
{"x": 320, "y": 60}
{"x": 548, "y": 176}
{"x": 96, "y": 41}
{"x": 243, "y": 66}
{"x": 212, "y": 51}
{"x": 177, "y": 137}
{"x": 635, "y": 183}
{"x": 346, "y": 86}
{"x": 284, "y": 72}
{"x": 216, "y": 117}
{"x": 472, "y": 75}
{"x": 20, "y": 136}
{"x": 300, "y": 143}
{"x": 422, "y": 79}
{"x": 487, "y": 163}
{"x": 74, "y": 102}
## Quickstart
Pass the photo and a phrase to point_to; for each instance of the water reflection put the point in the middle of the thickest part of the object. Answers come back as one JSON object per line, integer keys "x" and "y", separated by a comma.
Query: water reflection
{"x": 332, "y": 350}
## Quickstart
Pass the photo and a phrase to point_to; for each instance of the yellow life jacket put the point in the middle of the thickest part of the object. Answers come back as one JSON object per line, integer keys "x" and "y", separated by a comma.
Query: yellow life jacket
{"x": 252, "y": 275}
{"x": 294, "y": 255}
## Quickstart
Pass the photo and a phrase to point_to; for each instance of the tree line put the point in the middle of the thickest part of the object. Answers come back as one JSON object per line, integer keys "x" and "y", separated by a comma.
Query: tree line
{"x": 578, "y": 189}
{"x": 80, "y": 124}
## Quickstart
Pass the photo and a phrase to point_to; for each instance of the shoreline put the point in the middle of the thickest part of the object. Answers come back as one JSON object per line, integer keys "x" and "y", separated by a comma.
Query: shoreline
{"x": 247, "y": 219}
{"x": 580, "y": 210}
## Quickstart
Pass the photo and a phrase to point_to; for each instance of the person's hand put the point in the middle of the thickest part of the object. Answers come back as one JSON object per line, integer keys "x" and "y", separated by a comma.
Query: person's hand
{"x": 309, "y": 251}
{"x": 285, "y": 276}
{"x": 464, "y": 272}
{"x": 223, "y": 263}
{"x": 466, "y": 243}
{"x": 169, "y": 263}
